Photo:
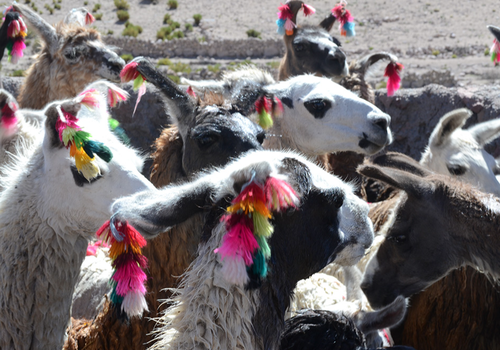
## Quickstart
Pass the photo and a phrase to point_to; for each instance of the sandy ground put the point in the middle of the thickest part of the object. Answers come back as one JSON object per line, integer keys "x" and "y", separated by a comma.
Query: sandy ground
{"x": 409, "y": 28}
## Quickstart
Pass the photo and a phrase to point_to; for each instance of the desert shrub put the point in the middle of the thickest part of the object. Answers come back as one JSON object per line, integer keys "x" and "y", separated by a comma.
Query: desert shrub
{"x": 98, "y": 16}
{"x": 214, "y": 68}
{"x": 18, "y": 73}
{"x": 127, "y": 57}
{"x": 57, "y": 6}
{"x": 178, "y": 34}
{"x": 85, "y": 3}
{"x": 96, "y": 8}
{"x": 27, "y": 1}
{"x": 175, "y": 25}
{"x": 48, "y": 8}
{"x": 163, "y": 33}
{"x": 131, "y": 30}
{"x": 110, "y": 32}
{"x": 122, "y": 4}
{"x": 273, "y": 64}
{"x": 174, "y": 78}
{"x": 197, "y": 19}
{"x": 164, "y": 62}
{"x": 172, "y": 4}
{"x": 180, "y": 67}
{"x": 188, "y": 27}
{"x": 252, "y": 33}
{"x": 123, "y": 15}
{"x": 435, "y": 52}
{"x": 166, "y": 18}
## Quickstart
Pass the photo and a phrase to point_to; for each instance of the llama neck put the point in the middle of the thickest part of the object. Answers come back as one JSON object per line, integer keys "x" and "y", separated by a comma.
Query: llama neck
{"x": 477, "y": 233}
{"x": 277, "y": 137}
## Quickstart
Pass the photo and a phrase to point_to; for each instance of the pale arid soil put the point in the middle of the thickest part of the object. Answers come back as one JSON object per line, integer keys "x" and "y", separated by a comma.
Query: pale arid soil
{"x": 423, "y": 33}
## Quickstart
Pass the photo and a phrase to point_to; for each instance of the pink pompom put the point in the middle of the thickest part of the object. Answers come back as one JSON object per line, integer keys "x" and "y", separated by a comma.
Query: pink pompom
{"x": 280, "y": 195}
{"x": 289, "y": 25}
{"x": 129, "y": 72}
{"x": 116, "y": 95}
{"x": 190, "y": 92}
{"x": 392, "y": 72}
{"x": 89, "y": 98}
{"x": 17, "y": 50}
{"x": 239, "y": 240}
{"x": 308, "y": 10}
{"x": 9, "y": 119}
{"x": 129, "y": 277}
{"x": 89, "y": 19}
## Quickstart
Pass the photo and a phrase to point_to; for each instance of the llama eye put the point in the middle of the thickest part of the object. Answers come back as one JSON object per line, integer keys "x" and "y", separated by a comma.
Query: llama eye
{"x": 318, "y": 107}
{"x": 206, "y": 140}
{"x": 72, "y": 54}
{"x": 299, "y": 47}
{"x": 399, "y": 239}
{"x": 261, "y": 137}
{"x": 456, "y": 169}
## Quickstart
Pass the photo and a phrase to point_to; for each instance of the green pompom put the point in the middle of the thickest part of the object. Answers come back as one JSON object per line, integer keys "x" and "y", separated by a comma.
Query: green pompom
{"x": 91, "y": 147}
{"x": 264, "y": 246}
{"x": 259, "y": 266}
{"x": 113, "y": 123}
{"x": 138, "y": 82}
{"x": 80, "y": 138}
{"x": 265, "y": 120}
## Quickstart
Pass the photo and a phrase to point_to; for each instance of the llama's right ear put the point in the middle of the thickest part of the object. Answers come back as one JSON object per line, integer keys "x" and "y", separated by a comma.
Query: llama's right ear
{"x": 410, "y": 183}
{"x": 52, "y": 114}
{"x": 495, "y": 31}
{"x": 44, "y": 29}
{"x": 155, "y": 211}
{"x": 182, "y": 106}
{"x": 450, "y": 122}
{"x": 328, "y": 22}
{"x": 402, "y": 162}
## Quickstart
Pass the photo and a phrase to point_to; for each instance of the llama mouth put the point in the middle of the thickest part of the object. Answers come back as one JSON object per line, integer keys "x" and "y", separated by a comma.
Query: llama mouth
{"x": 369, "y": 146}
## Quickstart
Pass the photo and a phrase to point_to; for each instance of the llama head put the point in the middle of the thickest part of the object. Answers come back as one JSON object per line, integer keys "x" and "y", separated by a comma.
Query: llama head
{"x": 321, "y": 116}
{"x": 495, "y": 31}
{"x": 212, "y": 130}
{"x": 79, "y": 15}
{"x": 72, "y": 52}
{"x": 65, "y": 183}
{"x": 311, "y": 49}
{"x": 418, "y": 248}
{"x": 460, "y": 152}
{"x": 330, "y": 223}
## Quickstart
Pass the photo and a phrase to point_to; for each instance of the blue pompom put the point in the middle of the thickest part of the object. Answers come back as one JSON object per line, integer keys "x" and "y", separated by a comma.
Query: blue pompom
{"x": 281, "y": 26}
{"x": 349, "y": 29}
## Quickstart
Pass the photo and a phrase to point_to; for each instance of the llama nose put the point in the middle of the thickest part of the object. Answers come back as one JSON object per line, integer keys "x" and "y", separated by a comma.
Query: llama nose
{"x": 382, "y": 122}
{"x": 337, "y": 55}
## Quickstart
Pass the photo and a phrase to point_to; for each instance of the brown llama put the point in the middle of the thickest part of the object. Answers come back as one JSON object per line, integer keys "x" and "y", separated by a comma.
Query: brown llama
{"x": 460, "y": 229}
{"x": 71, "y": 57}
{"x": 206, "y": 133}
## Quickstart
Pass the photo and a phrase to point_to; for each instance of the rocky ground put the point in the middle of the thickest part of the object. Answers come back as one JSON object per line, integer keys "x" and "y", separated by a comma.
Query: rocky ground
{"x": 444, "y": 42}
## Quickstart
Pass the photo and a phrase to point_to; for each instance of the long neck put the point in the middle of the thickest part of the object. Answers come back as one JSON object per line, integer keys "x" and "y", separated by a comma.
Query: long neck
{"x": 38, "y": 275}
{"x": 478, "y": 233}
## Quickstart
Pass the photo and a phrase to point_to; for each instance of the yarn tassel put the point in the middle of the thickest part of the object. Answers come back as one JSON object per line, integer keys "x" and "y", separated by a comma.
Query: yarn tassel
{"x": 9, "y": 119}
{"x": 16, "y": 32}
{"x": 89, "y": 99}
{"x": 239, "y": 240}
{"x": 98, "y": 148}
{"x": 129, "y": 73}
{"x": 89, "y": 19}
{"x": 128, "y": 279}
{"x": 115, "y": 127}
{"x": 345, "y": 19}
{"x": 495, "y": 52}
{"x": 280, "y": 195}
{"x": 264, "y": 107}
{"x": 17, "y": 50}
{"x": 191, "y": 92}
{"x": 308, "y": 10}
{"x": 116, "y": 95}
{"x": 392, "y": 72}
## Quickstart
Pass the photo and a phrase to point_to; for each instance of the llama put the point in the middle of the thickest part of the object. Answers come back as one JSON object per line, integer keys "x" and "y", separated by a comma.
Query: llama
{"x": 51, "y": 207}
{"x": 460, "y": 152}
{"x": 71, "y": 57}
{"x": 228, "y": 315}
{"x": 460, "y": 229}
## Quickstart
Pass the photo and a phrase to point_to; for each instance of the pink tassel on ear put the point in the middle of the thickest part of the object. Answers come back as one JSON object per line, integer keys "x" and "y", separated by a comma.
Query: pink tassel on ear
{"x": 392, "y": 72}
{"x": 308, "y": 10}
{"x": 17, "y": 50}
{"x": 495, "y": 52}
{"x": 116, "y": 95}
{"x": 280, "y": 195}
{"x": 191, "y": 92}
{"x": 92, "y": 247}
{"x": 129, "y": 72}
{"x": 239, "y": 240}
{"x": 89, "y": 99}
{"x": 277, "y": 107}
{"x": 9, "y": 119}
{"x": 89, "y": 19}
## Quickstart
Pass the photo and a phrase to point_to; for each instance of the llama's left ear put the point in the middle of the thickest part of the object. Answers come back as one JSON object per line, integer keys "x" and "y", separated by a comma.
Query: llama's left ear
{"x": 401, "y": 161}
{"x": 450, "y": 122}
{"x": 486, "y": 132}
{"x": 495, "y": 31}
{"x": 44, "y": 29}
{"x": 408, "y": 182}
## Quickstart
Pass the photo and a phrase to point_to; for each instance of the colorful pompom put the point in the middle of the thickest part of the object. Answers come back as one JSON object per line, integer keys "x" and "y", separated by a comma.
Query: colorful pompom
{"x": 345, "y": 19}
{"x": 89, "y": 99}
{"x": 16, "y": 32}
{"x": 495, "y": 52}
{"x": 89, "y": 19}
{"x": 129, "y": 73}
{"x": 244, "y": 247}
{"x": 285, "y": 18}
{"x": 9, "y": 119}
{"x": 128, "y": 279}
{"x": 263, "y": 106}
{"x": 392, "y": 72}
{"x": 191, "y": 92}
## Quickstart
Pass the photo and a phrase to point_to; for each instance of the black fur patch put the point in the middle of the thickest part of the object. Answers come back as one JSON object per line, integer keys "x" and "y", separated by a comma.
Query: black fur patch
{"x": 80, "y": 180}
{"x": 299, "y": 173}
{"x": 287, "y": 101}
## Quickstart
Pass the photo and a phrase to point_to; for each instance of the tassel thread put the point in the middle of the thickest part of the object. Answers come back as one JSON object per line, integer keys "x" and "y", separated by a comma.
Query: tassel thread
{"x": 16, "y": 34}
{"x": 393, "y": 74}
{"x": 130, "y": 73}
{"x": 345, "y": 19}
{"x": 285, "y": 18}
{"x": 495, "y": 52}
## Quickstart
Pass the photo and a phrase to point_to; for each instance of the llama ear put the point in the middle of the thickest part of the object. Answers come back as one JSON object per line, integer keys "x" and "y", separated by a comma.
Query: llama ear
{"x": 45, "y": 30}
{"x": 181, "y": 105}
{"x": 486, "y": 132}
{"x": 411, "y": 184}
{"x": 76, "y": 16}
{"x": 295, "y": 7}
{"x": 387, "y": 317}
{"x": 6, "y": 97}
{"x": 450, "y": 122}
{"x": 495, "y": 31}
{"x": 402, "y": 162}
{"x": 328, "y": 22}
{"x": 52, "y": 113}
{"x": 365, "y": 63}
{"x": 155, "y": 211}
{"x": 203, "y": 86}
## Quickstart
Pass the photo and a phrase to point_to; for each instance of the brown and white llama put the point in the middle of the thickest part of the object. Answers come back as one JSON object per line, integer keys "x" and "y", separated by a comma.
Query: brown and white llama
{"x": 215, "y": 313}
{"x": 49, "y": 211}
{"x": 71, "y": 57}
{"x": 416, "y": 253}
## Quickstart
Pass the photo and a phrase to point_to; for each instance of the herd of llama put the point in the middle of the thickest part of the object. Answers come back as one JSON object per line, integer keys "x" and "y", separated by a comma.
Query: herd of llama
{"x": 267, "y": 214}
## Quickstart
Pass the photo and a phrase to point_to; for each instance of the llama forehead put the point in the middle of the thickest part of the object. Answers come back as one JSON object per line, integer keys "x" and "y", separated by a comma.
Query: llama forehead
{"x": 322, "y": 40}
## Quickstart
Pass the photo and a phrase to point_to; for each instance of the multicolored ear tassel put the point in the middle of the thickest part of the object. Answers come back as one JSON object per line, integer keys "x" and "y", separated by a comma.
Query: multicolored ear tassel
{"x": 266, "y": 109}
{"x": 9, "y": 119}
{"x": 392, "y": 72}
{"x": 82, "y": 149}
{"x": 285, "y": 18}
{"x": 191, "y": 92}
{"x": 495, "y": 52}
{"x": 129, "y": 73}
{"x": 128, "y": 279}
{"x": 345, "y": 18}
{"x": 16, "y": 32}
{"x": 245, "y": 247}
